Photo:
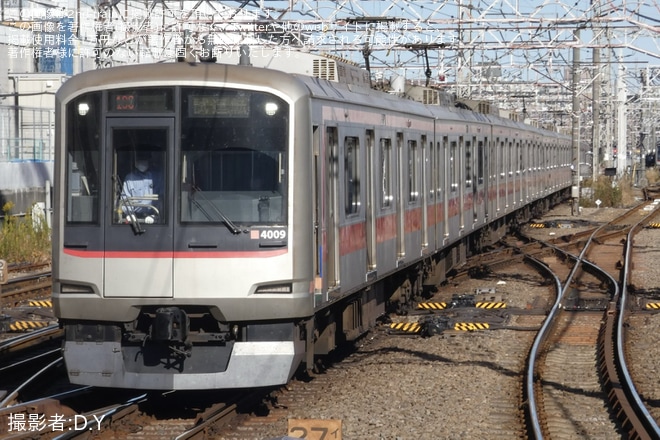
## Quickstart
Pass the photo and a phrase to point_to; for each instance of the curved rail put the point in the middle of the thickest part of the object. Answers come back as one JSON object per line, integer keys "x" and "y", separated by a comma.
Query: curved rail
{"x": 28, "y": 340}
{"x": 623, "y": 395}
{"x": 641, "y": 413}
{"x": 541, "y": 337}
{"x": 13, "y": 395}
{"x": 116, "y": 412}
{"x": 530, "y": 395}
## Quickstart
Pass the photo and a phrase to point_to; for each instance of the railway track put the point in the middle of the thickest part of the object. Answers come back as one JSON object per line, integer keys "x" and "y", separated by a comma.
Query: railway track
{"x": 17, "y": 344}
{"x": 642, "y": 323}
{"x": 25, "y": 361}
{"x": 522, "y": 316}
{"x": 26, "y": 287}
{"x": 577, "y": 382}
{"x": 25, "y": 300}
{"x": 112, "y": 414}
{"x": 471, "y": 316}
{"x": 33, "y": 358}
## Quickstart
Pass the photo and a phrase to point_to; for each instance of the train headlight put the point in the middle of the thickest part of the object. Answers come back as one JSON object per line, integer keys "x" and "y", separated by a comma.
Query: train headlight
{"x": 83, "y": 108}
{"x": 75, "y": 288}
{"x": 274, "y": 288}
{"x": 271, "y": 108}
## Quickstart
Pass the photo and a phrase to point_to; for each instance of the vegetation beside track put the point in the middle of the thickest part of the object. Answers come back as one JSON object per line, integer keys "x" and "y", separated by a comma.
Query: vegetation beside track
{"x": 24, "y": 239}
{"x": 612, "y": 194}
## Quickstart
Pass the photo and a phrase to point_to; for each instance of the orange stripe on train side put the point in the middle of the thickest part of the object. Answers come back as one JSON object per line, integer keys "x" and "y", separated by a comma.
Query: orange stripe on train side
{"x": 467, "y": 202}
{"x": 386, "y": 228}
{"x": 431, "y": 215}
{"x": 453, "y": 208}
{"x": 413, "y": 220}
{"x": 352, "y": 238}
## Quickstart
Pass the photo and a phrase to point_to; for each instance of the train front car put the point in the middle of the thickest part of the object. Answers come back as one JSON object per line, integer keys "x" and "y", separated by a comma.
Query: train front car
{"x": 179, "y": 196}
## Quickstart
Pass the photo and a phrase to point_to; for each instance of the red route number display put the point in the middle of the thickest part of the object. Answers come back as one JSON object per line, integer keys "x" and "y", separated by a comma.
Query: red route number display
{"x": 125, "y": 102}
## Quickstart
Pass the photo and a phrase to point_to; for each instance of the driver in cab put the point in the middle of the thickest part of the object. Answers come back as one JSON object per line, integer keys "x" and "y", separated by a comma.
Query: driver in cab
{"x": 141, "y": 190}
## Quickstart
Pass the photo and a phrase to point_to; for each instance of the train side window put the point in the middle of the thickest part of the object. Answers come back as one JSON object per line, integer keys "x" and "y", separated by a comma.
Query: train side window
{"x": 503, "y": 160}
{"x": 83, "y": 132}
{"x": 386, "y": 172}
{"x": 351, "y": 175}
{"x": 511, "y": 155}
{"x": 413, "y": 171}
{"x": 468, "y": 164}
{"x": 426, "y": 164}
{"x": 441, "y": 149}
{"x": 453, "y": 184}
{"x": 497, "y": 157}
{"x": 480, "y": 161}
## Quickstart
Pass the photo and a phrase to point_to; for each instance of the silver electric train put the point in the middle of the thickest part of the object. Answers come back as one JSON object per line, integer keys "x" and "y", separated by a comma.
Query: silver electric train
{"x": 218, "y": 225}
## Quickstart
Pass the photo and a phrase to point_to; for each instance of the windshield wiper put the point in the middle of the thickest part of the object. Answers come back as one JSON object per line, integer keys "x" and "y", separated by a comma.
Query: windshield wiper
{"x": 225, "y": 220}
{"x": 130, "y": 208}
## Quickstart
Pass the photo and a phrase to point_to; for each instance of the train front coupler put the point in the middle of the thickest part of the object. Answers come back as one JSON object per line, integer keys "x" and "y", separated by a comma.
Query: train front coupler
{"x": 171, "y": 326}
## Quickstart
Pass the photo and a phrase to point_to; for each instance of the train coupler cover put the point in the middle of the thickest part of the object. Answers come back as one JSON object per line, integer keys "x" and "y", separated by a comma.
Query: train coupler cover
{"x": 170, "y": 324}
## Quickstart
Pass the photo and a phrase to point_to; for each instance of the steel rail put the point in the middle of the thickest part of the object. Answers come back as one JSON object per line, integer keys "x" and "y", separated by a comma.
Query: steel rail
{"x": 12, "y": 396}
{"x": 634, "y": 413}
{"x": 114, "y": 413}
{"x": 543, "y": 334}
{"x": 627, "y": 384}
{"x": 27, "y": 340}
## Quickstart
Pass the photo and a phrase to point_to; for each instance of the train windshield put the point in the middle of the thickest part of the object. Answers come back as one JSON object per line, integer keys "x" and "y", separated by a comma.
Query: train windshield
{"x": 83, "y": 159}
{"x": 233, "y": 156}
{"x": 226, "y": 148}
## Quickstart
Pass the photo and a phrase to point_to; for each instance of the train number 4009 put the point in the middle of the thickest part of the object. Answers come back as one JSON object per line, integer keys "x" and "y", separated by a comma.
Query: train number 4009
{"x": 273, "y": 234}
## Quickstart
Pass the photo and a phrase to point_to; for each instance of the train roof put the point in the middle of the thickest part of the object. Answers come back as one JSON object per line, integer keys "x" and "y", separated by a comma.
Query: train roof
{"x": 363, "y": 96}
{"x": 181, "y": 74}
{"x": 295, "y": 85}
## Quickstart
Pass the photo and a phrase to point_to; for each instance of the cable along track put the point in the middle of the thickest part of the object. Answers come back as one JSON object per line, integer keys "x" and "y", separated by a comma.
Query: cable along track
{"x": 577, "y": 382}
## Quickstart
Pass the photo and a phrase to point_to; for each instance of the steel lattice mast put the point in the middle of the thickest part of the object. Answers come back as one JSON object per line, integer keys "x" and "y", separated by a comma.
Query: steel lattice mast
{"x": 516, "y": 54}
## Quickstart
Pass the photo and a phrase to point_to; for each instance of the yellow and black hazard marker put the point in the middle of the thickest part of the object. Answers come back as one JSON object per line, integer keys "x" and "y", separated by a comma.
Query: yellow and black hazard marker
{"x": 21, "y": 326}
{"x": 654, "y": 225}
{"x": 432, "y": 305}
{"x": 406, "y": 327}
{"x": 537, "y": 225}
{"x": 652, "y": 306}
{"x": 471, "y": 326}
{"x": 42, "y": 303}
{"x": 490, "y": 305}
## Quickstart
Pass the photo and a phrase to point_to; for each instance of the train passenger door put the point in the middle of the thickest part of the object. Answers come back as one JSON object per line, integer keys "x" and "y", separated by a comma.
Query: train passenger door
{"x": 484, "y": 173}
{"x": 139, "y": 232}
{"x": 462, "y": 180}
{"x": 318, "y": 213}
{"x": 448, "y": 183}
{"x": 470, "y": 183}
{"x": 439, "y": 175}
{"x": 401, "y": 198}
{"x": 371, "y": 208}
{"x": 424, "y": 193}
{"x": 332, "y": 212}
